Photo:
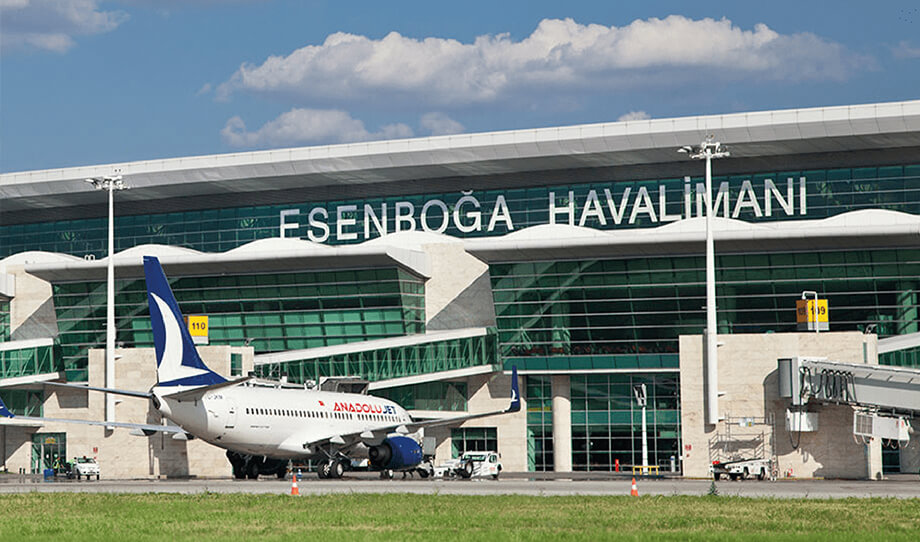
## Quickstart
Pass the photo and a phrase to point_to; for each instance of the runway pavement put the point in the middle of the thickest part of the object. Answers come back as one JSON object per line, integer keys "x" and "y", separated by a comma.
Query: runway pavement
{"x": 904, "y": 486}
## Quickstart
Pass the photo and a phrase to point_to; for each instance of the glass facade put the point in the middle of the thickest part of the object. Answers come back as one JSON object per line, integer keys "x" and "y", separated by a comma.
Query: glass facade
{"x": 32, "y": 360}
{"x": 823, "y": 193}
{"x": 538, "y": 392}
{"x": 473, "y": 439}
{"x": 909, "y": 357}
{"x": 607, "y": 422}
{"x": 440, "y": 396}
{"x": 4, "y": 321}
{"x": 395, "y": 362}
{"x": 23, "y": 402}
{"x": 592, "y": 313}
{"x": 284, "y": 311}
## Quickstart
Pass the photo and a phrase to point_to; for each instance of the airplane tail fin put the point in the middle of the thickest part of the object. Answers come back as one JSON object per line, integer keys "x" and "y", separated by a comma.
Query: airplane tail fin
{"x": 178, "y": 362}
{"x": 5, "y": 412}
{"x": 515, "y": 394}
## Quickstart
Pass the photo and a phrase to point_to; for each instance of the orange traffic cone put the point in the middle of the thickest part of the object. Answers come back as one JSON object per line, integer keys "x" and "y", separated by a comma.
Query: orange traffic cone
{"x": 294, "y": 490}
{"x": 634, "y": 491}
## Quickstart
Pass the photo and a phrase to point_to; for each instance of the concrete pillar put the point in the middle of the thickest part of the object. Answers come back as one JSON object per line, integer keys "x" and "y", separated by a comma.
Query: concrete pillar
{"x": 874, "y": 460}
{"x": 562, "y": 424}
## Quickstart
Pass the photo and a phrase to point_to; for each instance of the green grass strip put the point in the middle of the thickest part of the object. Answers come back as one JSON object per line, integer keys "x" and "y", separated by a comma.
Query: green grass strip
{"x": 403, "y": 517}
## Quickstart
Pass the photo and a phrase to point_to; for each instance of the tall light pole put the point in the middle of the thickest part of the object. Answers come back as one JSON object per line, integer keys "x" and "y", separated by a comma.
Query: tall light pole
{"x": 111, "y": 184}
{"x": 708, "y": 150}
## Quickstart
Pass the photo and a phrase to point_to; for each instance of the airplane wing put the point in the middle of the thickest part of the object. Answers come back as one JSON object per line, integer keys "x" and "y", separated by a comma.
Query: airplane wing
{"x": 8, "y": 418}
{"x": 194, "y": 393}
{"x": 129, "y": 393}
{"x": 145, "y": 428}
{"x": 375, "y": 436}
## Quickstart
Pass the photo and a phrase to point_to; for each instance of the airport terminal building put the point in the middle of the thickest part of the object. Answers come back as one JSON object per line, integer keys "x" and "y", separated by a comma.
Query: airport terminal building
{"x": 429, "y": 267}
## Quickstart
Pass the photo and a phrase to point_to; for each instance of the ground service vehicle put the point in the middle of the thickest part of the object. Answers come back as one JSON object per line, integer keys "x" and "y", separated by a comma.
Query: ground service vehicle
{"x": 84, "y": 466}
{"x": 742, "y": 468}
{"x": 471, "y": 465}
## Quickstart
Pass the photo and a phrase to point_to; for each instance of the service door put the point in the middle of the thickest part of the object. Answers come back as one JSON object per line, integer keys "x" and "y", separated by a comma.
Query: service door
{"x": 49, "y": 451}
{"x": 230, "y": 419}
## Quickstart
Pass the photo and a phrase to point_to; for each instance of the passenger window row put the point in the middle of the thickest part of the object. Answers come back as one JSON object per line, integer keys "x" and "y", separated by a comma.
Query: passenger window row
{"x": 320, "y": 414}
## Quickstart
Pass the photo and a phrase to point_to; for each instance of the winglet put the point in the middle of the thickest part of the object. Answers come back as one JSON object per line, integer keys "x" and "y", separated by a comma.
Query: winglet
{"x": 178, "y": 362}
{"x": 515, "y": 394}
{"x": 5, "y": 412}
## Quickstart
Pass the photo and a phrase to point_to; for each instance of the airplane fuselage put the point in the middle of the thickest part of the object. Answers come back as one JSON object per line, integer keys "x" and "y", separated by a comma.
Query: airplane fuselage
{"x": 277, "y": 422}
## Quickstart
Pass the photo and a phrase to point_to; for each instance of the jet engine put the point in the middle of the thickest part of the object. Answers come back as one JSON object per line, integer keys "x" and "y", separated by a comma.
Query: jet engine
{"x": 395, "y": 453}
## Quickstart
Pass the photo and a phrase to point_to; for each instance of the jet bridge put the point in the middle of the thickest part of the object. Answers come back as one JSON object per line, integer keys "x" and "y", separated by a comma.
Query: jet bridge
{"x": 874, "y": 389}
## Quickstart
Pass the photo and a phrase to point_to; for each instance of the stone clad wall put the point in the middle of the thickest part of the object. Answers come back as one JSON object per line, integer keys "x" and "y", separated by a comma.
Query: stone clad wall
{"x": 459, "y": 293}
{"x": 32, "y": 309}
{"x": 748, "y": 378}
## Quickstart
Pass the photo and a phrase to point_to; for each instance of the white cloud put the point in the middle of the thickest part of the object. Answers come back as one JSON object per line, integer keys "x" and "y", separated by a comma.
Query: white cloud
{"x": 905, "y": 50}
{"x": 558, "y": 55}
{"x": 51, "y": 25}
{"x": 440, "y": 124}
{"x": 305, "y": 126}
{"x": 634, "y": 115}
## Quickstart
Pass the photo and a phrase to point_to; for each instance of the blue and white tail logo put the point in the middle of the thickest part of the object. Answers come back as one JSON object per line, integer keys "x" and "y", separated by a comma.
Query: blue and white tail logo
{"x": 178, "y": 362}
{"x": 515, "y": 393}
{"x": 4, "y": 411}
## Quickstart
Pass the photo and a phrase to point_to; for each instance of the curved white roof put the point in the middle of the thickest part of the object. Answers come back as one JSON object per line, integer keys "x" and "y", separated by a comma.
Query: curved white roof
{"x": 277, "y": 245}
{"x": 861, "y": 229}
{"x": 856, "y": 229}
{"x": 38, "y": 257}
{"x": 263, "y": 256}
{"x": 160, "y": 251}
{"x": 412, "y": 239}
{"x": 163, "y": 185}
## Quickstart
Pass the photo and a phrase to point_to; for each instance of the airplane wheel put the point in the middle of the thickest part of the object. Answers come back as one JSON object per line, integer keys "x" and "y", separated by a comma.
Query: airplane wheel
{"x": 336, "y": 469}
{"x": 387, "y": 474}
{"x": 252, "y": 472}
{"x": 423, "y": 473}
{"x": 466, "y": 471}
{"x": 321, "y": 471}
{"x": 239, "y": 469}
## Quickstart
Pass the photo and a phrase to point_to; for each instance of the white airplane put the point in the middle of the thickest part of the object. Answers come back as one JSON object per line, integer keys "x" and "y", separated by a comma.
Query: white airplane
{"x": 263, "y": 427}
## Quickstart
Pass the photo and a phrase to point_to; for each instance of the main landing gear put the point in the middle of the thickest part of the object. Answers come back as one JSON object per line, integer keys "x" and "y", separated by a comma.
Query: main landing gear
{"x": 248, "y": 466}
{"x": 334, "y": 468}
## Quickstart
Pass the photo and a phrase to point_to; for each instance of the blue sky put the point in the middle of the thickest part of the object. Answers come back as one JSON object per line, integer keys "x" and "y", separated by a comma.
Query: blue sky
{"x": 93, "y": 82}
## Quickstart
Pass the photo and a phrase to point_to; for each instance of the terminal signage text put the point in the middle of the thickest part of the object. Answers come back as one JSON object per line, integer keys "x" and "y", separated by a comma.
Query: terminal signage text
{"x": 604, "y": 208}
